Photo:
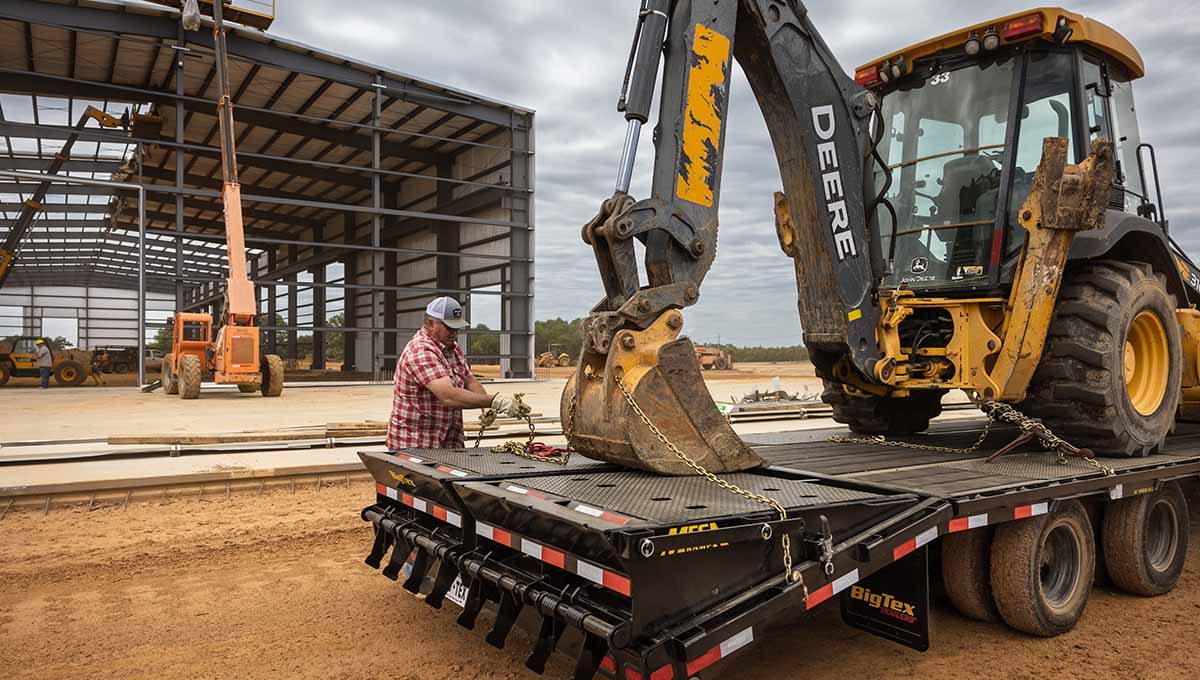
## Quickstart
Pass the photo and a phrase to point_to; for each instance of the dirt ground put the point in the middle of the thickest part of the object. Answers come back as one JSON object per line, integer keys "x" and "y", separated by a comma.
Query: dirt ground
{"x": 274, "y": 586}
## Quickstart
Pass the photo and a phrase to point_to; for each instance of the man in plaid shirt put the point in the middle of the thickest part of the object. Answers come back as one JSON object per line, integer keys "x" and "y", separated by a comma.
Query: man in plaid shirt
{"x": 433, "y": 384}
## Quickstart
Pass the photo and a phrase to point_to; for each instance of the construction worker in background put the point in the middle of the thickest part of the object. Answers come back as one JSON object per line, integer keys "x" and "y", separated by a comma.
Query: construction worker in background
{"x": 44, "y": 362}
{"x": 433, "y": 384}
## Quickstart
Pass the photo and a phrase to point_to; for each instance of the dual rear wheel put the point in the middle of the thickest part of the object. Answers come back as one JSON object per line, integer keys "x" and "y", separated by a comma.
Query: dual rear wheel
{"x": 1036, "y": 574}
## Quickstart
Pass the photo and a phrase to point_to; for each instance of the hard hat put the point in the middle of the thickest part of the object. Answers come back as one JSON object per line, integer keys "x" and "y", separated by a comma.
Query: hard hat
{"x": 41, "y": 341}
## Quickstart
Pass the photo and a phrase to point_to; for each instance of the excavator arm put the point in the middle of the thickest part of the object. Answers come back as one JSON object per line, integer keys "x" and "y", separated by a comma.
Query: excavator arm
{"x": 633, "y": 362}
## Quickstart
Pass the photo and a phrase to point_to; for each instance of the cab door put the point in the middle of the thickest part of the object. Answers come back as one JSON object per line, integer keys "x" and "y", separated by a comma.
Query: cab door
{"x": 24, "y": 354}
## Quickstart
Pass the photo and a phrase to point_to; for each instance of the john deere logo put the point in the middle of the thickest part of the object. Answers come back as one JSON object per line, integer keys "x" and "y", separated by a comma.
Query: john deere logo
{"x": 919, "y": 265}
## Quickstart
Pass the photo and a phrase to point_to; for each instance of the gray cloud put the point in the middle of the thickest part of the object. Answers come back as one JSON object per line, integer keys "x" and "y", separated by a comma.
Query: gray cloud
{"x": 565, "y": 60}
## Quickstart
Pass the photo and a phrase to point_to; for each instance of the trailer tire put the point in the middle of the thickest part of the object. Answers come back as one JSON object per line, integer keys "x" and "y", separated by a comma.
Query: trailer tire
{"x": 170, "y": 381}
{"x": 247, "y": 389}
{"x": 120, "y": 367}
{"x": 966, "y": 573}
{"x": 69, "y": 374}
{"x": 1146, "y": 540}
{"x": 5, "y": 373}
{"x": 272, "y": 375}
{"x": 1110, "y": 374}
{"x": 189, "y": 376}
{"x": 883, "y": 415}
{"x": 1042, "y": 570}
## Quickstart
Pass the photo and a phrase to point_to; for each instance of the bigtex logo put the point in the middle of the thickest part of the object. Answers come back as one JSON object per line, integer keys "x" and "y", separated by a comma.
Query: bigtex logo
{"x": 691, "y": 529}
{"x": 886, "y": 604}
{"x": 402, "y": 479}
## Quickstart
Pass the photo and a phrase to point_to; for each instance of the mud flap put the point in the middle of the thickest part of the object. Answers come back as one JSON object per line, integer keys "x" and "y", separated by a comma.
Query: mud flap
{"x": 894, "y": 602}
{"x": 663, "y": 378}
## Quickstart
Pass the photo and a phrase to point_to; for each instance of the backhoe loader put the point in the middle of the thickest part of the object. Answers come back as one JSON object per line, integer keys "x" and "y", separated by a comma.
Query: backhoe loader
{"x": 971, "y": 212}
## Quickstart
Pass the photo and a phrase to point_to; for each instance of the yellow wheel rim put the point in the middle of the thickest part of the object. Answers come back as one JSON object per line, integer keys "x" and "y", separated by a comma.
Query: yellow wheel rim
{"x": 68, "y": 374}
{"x": 1146, "y": 363}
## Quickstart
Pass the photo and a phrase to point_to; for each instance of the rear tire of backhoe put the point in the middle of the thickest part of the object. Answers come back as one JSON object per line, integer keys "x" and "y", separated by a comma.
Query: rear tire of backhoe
{"x": 966, "y": 573}
{"x": 272, "y": 375}
{"x": 5, "y": 373}
{"x": 1042, "y": 570}
{"x": 170, "y": 381}
{"x": 1110, "y": 373}
{"x": 883, "y": 415}
{"x": 189, "y": 376}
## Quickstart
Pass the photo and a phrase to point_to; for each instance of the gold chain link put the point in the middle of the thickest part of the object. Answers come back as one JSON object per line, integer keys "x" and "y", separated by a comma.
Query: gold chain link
{"x": 521, "y": 449}
{"x": 790, "y": 575}
{"x": 996, "y": 412}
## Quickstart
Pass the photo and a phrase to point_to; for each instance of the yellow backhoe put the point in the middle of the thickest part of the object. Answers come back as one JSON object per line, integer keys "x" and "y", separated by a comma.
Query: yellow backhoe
{"x": 971, "y": 212}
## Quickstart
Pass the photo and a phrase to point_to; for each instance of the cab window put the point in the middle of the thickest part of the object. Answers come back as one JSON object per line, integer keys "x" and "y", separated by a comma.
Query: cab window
{"x": 25, "y": 346}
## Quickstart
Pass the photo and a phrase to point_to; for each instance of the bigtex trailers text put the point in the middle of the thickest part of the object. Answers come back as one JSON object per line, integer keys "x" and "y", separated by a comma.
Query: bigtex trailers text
{"x": 646, "y": 576}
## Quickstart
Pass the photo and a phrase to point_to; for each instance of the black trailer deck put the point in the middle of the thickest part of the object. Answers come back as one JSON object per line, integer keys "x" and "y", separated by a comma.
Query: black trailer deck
{"x": 663, "y": 577}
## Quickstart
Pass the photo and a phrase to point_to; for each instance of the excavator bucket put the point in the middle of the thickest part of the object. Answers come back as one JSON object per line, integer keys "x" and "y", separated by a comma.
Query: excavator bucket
{"x": 644, "y": 405}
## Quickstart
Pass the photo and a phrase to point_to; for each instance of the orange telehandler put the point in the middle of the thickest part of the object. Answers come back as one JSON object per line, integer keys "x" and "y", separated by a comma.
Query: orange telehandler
{"x": 233, "y": 355}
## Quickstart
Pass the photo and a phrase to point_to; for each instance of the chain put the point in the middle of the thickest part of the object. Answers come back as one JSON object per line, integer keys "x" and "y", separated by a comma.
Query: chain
{"x": 790, "y": 575}
{"x": 528, "y": 449}
{"x": 996, "y": 412}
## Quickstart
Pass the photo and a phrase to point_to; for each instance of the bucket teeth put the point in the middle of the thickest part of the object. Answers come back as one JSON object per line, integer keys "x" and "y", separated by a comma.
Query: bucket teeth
{"x": 662, "y": 377}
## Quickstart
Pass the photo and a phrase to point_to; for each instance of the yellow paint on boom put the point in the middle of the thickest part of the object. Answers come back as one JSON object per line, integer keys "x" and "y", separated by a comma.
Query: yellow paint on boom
{"x": 702, "y": 129}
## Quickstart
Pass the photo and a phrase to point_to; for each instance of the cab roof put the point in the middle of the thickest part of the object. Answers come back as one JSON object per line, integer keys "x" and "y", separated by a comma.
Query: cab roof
{"x": 1083, "y": 30}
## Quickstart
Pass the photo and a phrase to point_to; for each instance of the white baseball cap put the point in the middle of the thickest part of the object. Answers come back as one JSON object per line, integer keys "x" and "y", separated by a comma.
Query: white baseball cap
{"x": 448, "y": 311}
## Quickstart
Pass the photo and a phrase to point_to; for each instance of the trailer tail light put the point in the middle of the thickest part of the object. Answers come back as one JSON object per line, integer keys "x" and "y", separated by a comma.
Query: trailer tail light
{"x": 866, "y": 76}
{"x": 1023, "y": 27}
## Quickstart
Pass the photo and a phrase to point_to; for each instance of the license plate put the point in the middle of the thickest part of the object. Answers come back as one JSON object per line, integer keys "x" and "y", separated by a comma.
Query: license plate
{"x": 458, "y": 592}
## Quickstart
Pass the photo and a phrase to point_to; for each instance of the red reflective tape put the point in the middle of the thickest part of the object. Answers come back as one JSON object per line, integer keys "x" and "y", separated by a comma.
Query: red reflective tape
{"x": 608, "y": 665}
{"x": 616, "y": 582}
{"x": 502, "y": 537}
{"x": 406, "y": 499}
{"x": 960, "y": 524}
{"x": 443, "y": 468}
{"x": 554, "y": 557}
{"x": 819, "y": 595}
{"x": 704, "y": 661}
{"x": 439, "y": 512}
{"x": 632, "y": 674}
{"x": 904, "y": 548}
{"x": 664, "y": 673}
{"x": 1023, "y": 511}
{"x": 536, "y": 494}
{"x": 380, "y": 488}
{"x": 615, "y": 519}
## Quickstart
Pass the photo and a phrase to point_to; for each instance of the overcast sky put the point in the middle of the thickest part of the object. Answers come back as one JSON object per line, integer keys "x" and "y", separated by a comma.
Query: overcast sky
{"x": 565, "y": 60}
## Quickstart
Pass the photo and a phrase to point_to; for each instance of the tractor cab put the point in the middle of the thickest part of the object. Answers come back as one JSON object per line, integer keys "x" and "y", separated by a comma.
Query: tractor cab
{"x": 964, "y": 116}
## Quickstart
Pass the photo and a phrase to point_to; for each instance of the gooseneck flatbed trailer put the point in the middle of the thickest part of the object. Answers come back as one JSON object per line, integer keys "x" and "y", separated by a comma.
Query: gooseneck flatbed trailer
{"x": 643, "y": 576}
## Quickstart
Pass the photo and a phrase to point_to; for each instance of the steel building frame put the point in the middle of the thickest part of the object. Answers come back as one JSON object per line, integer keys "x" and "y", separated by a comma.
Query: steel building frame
{"x": 412, "y": 189}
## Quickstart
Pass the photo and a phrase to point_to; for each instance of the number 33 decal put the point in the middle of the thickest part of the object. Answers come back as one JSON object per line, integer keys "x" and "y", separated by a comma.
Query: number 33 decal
{"x": 939, "y": 78}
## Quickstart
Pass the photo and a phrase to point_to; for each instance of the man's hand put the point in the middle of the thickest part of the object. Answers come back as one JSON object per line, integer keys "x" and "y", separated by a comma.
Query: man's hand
{"x": 510, "y": 407}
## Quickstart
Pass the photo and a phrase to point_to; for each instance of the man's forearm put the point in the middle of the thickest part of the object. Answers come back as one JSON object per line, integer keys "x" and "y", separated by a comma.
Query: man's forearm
{"x": 460, "y": 398}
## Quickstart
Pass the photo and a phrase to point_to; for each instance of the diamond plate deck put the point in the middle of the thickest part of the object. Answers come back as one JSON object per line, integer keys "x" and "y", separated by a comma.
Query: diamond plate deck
{"x": 682, "y": 499}
{"x": 486, "y": 462}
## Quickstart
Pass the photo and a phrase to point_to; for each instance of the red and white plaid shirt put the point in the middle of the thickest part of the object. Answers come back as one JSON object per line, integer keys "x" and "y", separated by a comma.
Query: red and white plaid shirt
{"x": 419, "y": 420}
